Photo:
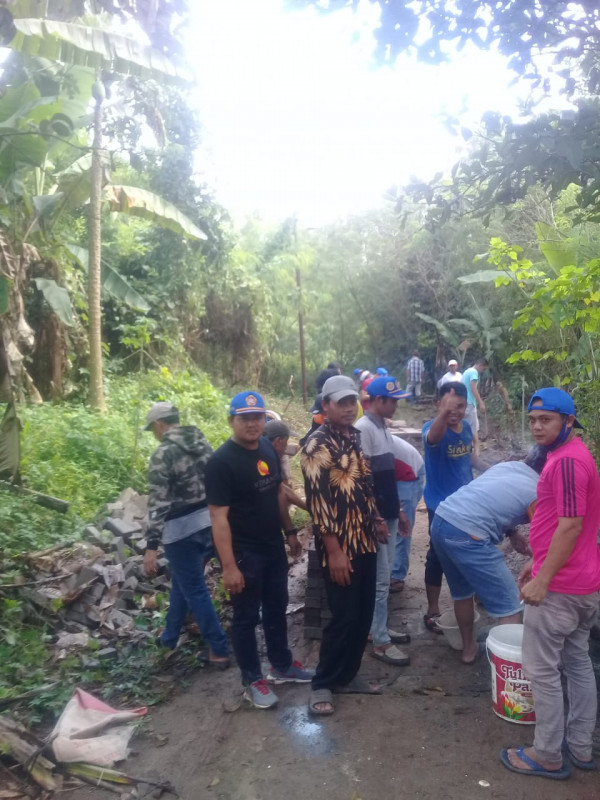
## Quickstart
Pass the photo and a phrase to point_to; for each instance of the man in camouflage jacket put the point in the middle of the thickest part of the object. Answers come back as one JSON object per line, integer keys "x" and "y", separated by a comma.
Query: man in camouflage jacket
{"x": 178, "y": 516}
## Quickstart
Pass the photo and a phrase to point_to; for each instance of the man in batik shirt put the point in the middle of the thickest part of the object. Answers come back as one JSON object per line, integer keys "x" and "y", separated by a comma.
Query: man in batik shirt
{"x": 339, "y": 496}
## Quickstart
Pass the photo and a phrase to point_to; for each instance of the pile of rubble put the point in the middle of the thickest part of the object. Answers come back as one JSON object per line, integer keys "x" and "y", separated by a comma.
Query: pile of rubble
{"x": 97, "y": 588}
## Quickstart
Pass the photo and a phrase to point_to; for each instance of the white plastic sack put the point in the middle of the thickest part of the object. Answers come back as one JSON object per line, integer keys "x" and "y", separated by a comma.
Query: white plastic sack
{"x": 81, "y": 732}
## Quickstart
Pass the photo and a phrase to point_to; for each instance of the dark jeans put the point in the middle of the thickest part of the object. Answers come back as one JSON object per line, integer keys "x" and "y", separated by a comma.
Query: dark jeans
{"x": 265, "y": 578}
{"x": 345, "y": 637}
{"x": 433, "y": 569}
{"x": 189, "y": 593}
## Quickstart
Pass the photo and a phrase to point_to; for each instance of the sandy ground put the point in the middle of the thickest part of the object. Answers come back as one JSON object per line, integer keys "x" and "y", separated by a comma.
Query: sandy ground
{"x": 431, "y": 734}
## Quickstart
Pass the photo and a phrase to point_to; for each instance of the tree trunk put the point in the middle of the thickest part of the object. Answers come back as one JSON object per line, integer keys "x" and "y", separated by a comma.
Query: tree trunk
{"x": 16, "y": 336}
{"x": 95, "y": 245}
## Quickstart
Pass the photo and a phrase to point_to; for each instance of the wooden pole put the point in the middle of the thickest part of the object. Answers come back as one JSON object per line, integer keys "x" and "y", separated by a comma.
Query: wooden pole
{"x": 523, "y": 410}
{"x": 301, "y": 334}
{"x": 45, "y": 500}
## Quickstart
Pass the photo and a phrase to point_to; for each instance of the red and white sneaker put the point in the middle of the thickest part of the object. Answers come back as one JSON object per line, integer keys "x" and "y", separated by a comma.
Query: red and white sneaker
{"x": 296, "y": 673}
{"x": 260, "y": 694}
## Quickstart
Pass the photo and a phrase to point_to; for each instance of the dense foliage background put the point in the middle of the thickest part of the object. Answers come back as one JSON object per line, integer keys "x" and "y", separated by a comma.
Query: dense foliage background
{"x": 497, "y": 258}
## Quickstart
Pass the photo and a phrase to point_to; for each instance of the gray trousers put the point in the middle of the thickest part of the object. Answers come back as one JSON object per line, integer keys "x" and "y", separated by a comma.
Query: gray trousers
{"x": 557, "y": 633}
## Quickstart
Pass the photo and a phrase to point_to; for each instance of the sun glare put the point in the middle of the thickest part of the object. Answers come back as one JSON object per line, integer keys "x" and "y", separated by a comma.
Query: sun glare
{"x": 298, "y": 120}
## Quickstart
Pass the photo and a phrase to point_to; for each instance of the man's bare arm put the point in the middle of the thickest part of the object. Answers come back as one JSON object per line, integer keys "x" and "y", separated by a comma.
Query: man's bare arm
{"x": 233, "y": 580}
{"x": 479, "y": 464}
{"x": 477, "y": 396}
{"x": 294, "y": 498}
{"x": 562, "y": 544}
{"x": 288, "y": 525}
{"x": 439, "y": 426}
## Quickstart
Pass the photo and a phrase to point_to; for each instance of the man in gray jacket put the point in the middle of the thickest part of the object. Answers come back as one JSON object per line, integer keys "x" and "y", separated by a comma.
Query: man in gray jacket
{"x": 178, "y": 515}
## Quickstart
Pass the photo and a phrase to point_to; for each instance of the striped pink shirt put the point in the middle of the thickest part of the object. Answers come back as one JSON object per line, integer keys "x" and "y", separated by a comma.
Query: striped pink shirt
{"x": 569, "y": 486}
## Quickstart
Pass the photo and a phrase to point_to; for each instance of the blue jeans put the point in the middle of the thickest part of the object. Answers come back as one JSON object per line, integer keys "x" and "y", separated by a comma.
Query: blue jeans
{"x": 385, "y": 557}
{"x": 189, "y": 592}
{"x": 475, "y": 566}
{"x": 409, "y": 492}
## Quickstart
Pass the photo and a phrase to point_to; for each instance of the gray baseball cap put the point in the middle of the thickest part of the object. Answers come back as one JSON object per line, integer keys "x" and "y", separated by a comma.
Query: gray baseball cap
{"x": 162, "y": 410}
{"x": 337, "y": 387}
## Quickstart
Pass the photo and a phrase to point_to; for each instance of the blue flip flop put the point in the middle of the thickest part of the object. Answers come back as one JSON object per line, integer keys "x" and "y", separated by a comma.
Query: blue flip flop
{"x": 536, "y": 769}
{"x": 587, "y": 766}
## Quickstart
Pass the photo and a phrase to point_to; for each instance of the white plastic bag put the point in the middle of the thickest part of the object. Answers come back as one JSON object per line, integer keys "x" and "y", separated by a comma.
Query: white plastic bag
{"x": 92, "y": 731}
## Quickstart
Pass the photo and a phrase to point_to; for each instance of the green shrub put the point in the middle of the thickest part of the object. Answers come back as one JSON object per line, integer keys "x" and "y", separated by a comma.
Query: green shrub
{"x": 86, "y": 458}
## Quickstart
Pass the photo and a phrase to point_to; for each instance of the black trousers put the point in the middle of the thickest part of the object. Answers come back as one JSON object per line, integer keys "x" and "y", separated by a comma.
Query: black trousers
{"x": 433, "y": 569}
{"x": 345, "y": 637}
{"x": 266, "y": 591}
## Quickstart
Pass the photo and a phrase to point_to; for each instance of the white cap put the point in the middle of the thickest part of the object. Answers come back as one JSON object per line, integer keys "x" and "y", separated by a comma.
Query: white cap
{"x": 453, "y": 363}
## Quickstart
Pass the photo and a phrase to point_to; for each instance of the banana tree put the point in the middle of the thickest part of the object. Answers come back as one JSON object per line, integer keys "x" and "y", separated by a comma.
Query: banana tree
{"x": 103, "y": 50}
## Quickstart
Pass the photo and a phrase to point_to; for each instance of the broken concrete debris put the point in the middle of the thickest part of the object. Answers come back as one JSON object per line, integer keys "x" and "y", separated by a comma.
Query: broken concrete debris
{"x": 100, "y": 586}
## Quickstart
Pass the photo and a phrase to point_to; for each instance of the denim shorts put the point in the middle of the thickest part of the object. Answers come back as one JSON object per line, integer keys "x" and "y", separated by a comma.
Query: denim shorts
{"x": 473, "y": 566}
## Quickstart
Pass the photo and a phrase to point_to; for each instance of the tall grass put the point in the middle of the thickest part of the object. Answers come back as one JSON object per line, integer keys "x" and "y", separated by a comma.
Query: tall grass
{"x": 87, "y": 458}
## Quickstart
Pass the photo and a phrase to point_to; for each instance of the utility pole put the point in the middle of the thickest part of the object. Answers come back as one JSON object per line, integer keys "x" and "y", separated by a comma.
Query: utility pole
{"x": 301, "y": 334}
{"x": 294, "y": 222}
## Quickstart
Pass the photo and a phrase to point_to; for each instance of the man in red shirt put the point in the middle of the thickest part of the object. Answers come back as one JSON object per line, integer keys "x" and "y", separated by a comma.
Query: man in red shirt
{"x": 364, "y": 379}
{"x": 561, "y": 590}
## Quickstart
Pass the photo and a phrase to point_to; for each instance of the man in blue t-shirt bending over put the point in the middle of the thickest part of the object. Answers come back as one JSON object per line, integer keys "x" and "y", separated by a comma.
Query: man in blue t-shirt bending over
{"x": 449, "y": 461}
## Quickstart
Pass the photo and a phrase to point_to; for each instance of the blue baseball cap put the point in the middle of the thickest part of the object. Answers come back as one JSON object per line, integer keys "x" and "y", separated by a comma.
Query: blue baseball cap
{"x": 357, "y": 371}
{"x": 556, "y": 400}
{"x": 247, "y": 403}
{"x": 386, "y": 387}
{"x": 382, "y": 371}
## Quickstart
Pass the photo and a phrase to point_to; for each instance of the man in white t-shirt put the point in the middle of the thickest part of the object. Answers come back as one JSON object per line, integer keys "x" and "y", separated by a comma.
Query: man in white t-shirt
{"x": 410, "y": 480}
{"x": 452, "y": 375}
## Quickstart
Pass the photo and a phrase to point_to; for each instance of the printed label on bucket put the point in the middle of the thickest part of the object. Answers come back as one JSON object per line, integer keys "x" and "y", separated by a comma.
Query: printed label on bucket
{"x": 511, "y": 691}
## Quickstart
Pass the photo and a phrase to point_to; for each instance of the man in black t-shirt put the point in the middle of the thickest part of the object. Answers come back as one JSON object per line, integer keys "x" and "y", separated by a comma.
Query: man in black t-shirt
{"x": 247, "y": 508}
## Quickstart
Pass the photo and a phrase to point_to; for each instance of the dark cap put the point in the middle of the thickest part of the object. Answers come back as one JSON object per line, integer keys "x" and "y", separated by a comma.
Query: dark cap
{"x": 276, "y": 428}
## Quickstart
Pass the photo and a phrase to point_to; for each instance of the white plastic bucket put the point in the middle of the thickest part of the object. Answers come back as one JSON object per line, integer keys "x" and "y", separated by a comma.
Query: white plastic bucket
{"x": 449, "y": 626}
{"x": 512, "y": 699}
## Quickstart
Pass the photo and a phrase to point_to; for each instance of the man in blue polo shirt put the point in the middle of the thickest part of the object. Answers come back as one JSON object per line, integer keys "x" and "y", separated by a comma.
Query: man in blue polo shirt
{"x": 378, "y": 447}
{"x": 448, "y": 450}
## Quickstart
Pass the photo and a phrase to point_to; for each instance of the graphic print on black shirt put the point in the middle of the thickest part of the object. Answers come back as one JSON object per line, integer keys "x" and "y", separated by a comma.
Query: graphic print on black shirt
{"x": 247, "y": 481}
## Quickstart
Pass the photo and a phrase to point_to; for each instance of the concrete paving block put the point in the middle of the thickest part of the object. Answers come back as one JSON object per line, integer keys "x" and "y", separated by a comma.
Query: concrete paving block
{"x": 122, "y": 528}
{"x": 106, "y": 653}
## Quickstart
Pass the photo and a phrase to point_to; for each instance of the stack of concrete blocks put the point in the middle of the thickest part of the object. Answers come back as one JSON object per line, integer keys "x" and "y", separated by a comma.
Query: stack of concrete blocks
{"x": 316, "y": 608}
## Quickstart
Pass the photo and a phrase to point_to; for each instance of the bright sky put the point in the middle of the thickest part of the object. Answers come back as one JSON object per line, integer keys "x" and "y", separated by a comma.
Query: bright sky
{"x": 298, "y": 121}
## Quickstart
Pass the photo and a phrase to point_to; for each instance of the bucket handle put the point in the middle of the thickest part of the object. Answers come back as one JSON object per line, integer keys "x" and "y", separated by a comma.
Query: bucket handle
{"x": 487, "y": 652}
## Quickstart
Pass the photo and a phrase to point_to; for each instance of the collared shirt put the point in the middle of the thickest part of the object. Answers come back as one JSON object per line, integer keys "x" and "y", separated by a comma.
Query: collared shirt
{"x": 339, "y": 491}
{"x": 415, "y": 368}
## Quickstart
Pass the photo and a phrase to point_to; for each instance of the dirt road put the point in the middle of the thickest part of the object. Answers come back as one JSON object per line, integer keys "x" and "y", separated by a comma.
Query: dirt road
{"x": 431, "y": 734}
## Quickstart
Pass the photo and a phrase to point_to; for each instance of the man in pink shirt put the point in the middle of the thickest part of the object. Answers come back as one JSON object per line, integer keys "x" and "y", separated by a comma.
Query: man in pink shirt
{"x": 560, "y": 588}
